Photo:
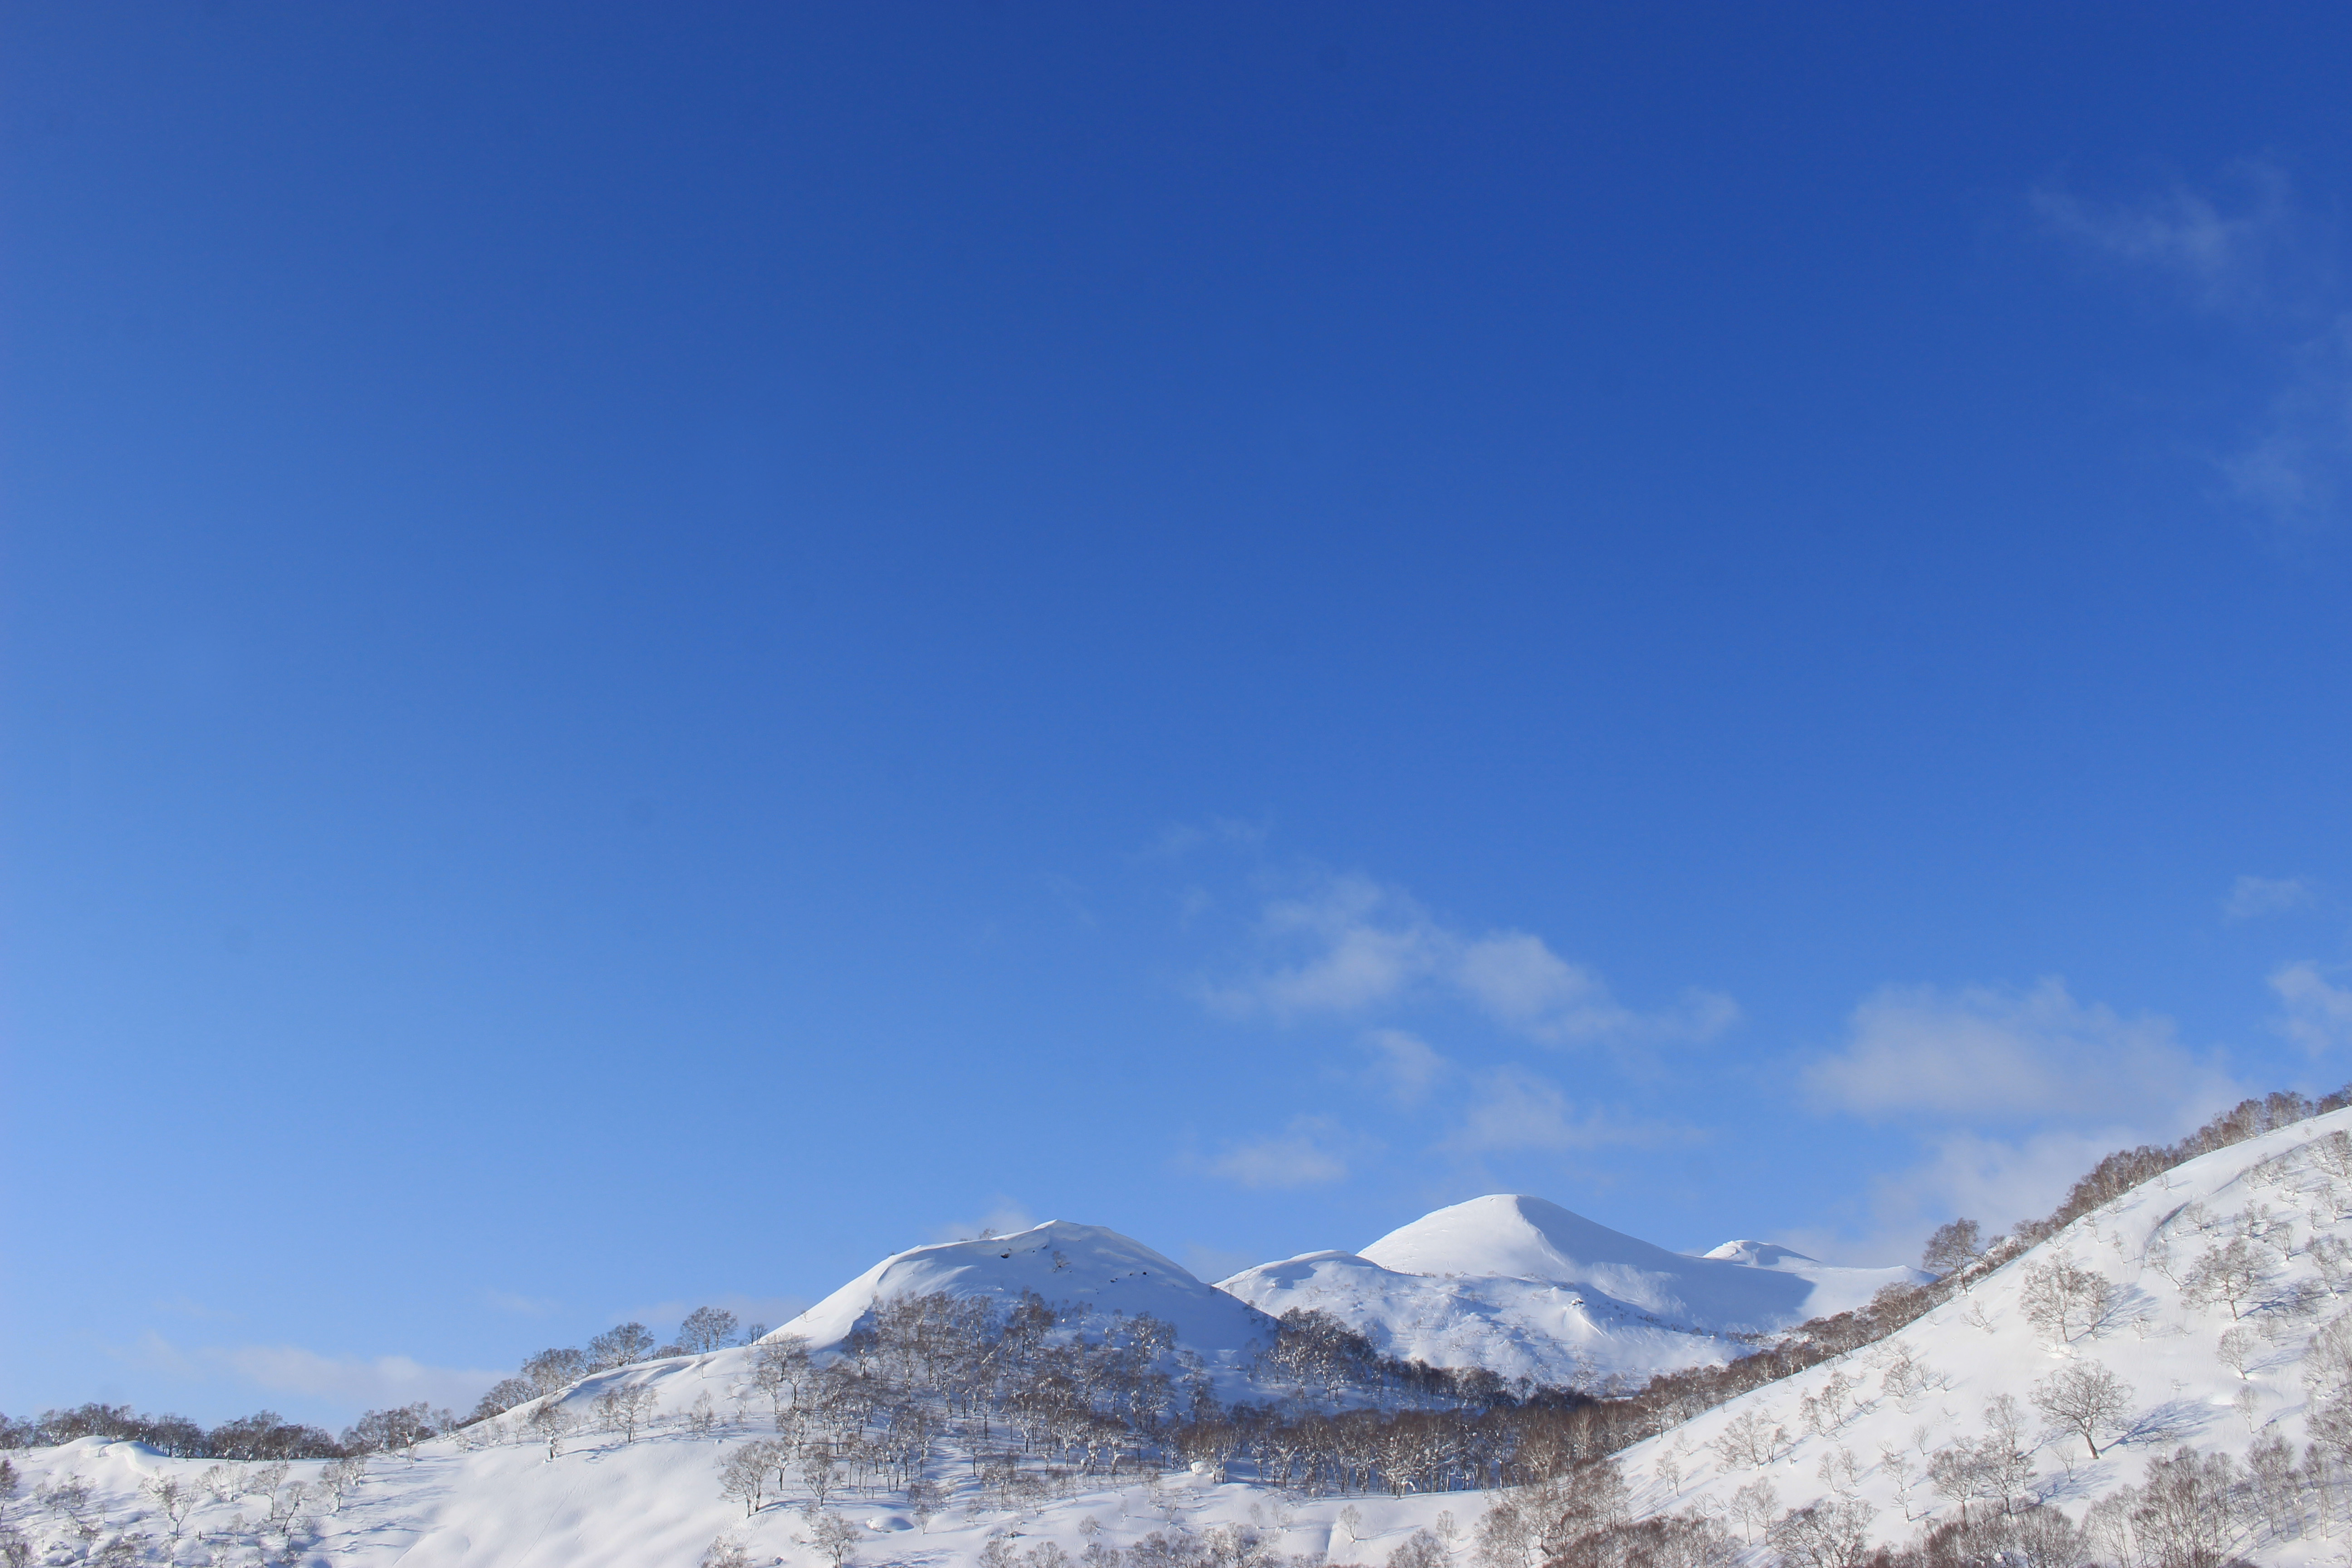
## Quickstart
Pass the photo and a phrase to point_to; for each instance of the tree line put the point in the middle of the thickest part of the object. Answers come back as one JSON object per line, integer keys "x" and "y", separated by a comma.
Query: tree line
{"x": 267, "y": 1436}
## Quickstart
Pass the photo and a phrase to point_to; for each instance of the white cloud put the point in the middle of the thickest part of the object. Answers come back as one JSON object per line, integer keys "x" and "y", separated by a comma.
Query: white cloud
{"x": 2250, "y": 256}
{"x": 521, "y": 1306}
{"x": 2253, "y": 896}
{"x": 1405, "y": 1065}
{"x": 373, "y": 1381}
{"x": 1358, "y": 945}
{"x": 1512, "y": 1111}
{"x": 1996, "y": 1181}
{"x": 1313, "y": 1151}
{"x": 2220, "y": 250}
{"x": 2318, "y": 1014}
{"x": 1997, "y": 1053}
{"x": 355, "y": 1382}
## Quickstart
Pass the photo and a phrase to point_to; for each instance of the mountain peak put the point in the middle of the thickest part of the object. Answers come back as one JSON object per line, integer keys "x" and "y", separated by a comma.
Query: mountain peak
{"x": 1511, "y": 1235}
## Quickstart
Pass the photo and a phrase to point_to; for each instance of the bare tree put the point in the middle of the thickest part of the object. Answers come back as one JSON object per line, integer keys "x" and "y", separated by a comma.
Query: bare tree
{"x": 402, "y": 1427}
{"x": 1753, "y": 1506}
{"x": 2063, "y": 1299}
{"x": 726, "y": 1552}
{"x": 706, "y": 1328}
{"x": 744, "y": 1472}
{"x": 173, "y": 1497}
{"x": 553, "y": 1370}
{"x": 2237, "y": 1348}
{"x": 620, "y": 1345}
{"x": 1896, "y": 1464}
{"x": 505, "y": 1394}
{"x": 2007, "y": 1456}
{"x": 1833, "y": 1533}
{"x": 1959, "y": 1472}
{"x": 2334, "y": 1256}
{"x": 551, "y": 1424}
{"x": 779, "y": 1367}
{"x": 626, "y": 1407}
{"x": 1955, "y": 1245}
{"x": 2085, "y": 1398}
{"x": 820, "y": 1472}
{"x": 2187, "y": 1510}
{"x": 343, "y": 1477}
{"x": 1750, "y": 1439}
{"x": 833, "y": 1537}
{"x": 2229, "y": 1273}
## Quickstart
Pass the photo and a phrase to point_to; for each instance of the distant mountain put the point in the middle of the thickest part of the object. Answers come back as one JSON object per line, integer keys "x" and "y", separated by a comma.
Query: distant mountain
{"x": 1078, "y": 1265}
{"x": 1527, "y": 1289}
{"x": 2196, "y": 1326}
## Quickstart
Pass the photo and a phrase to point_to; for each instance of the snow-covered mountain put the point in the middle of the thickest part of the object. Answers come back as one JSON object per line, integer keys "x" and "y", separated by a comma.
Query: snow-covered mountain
{"x": 2219, "y": 1290}
{"x": 1526, "y": 1289}
{"x": 1068, "y": 1265}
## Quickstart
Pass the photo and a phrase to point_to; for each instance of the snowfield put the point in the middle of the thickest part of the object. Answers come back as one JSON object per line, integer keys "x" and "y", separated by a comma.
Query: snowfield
{"x": 1870, "y": 1424}
{"x": 1526, "y": 1289}
{"x": 1081, "y": 1264}
{"x": 2202, "y": 1293}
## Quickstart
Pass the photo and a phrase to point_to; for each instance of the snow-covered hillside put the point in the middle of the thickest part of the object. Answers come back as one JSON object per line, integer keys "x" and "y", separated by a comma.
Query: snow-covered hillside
{"x": 2139, "y": 1292}
{"x": 1526, "y": 1289}
{"x": 1066, "y": 1264}
{"x": 2203, "y": 1313}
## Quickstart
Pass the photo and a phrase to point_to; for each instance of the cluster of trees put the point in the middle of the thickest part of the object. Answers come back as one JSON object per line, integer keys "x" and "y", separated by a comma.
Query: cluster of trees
{"x": 1038, "y": 1393}
{"x": 264, "y": 1435}
{"x": 1038, "y": 1396}
{"x": 1957, "y": 1248}
{"x": 267, "y": 1436}
{"x": 2190, "y": 1510}
{"x": 281, "y": 1524}
{"x": 704, "y": 1330}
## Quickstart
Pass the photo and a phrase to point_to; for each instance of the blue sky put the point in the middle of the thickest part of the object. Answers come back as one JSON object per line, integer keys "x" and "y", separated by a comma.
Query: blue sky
{"x": 649, "y": 654}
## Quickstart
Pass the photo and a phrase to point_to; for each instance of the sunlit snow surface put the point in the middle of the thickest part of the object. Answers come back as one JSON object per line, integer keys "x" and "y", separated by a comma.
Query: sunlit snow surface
{"x": 1526, "y": 1289}
{"x": 1081, "y": 1265}
{"x": 654, "y": 1502}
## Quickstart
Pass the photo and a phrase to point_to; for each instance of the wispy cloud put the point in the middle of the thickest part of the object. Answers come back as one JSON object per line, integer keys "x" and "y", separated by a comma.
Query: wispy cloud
{"x": 1998, "y": 1181}
{"x": 2221, "y": 246}
{"x": 1404, "y": 1065}
{"x": 1992, "y": 1052}
{"x": 2251, "y": 897}
{"x": 1313, "y": 1151}
{"x": 1514, "y": 1110}
{"x": 1179, "y": 839}
{"x": 2247, "y": 253}
{"x": 2315, "y": 1014}
{"x": 1351, "y": 944}
{"x": 356, "y": 1382}
{"x": 522, "y": 1306}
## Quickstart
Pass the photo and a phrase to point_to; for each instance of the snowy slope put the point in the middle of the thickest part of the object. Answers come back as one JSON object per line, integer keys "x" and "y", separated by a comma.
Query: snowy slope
{"x": 1082, "y": 1265}
{"x": 1929, "y": 1384}
{"x": 493, "y": 1497}
{"x": 1527, "y": 1289}
{"x": 654, "y": 1503}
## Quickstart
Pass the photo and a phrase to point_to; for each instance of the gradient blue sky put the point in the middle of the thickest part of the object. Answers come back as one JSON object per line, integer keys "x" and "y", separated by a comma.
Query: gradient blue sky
{"x": 650, "y": 652}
